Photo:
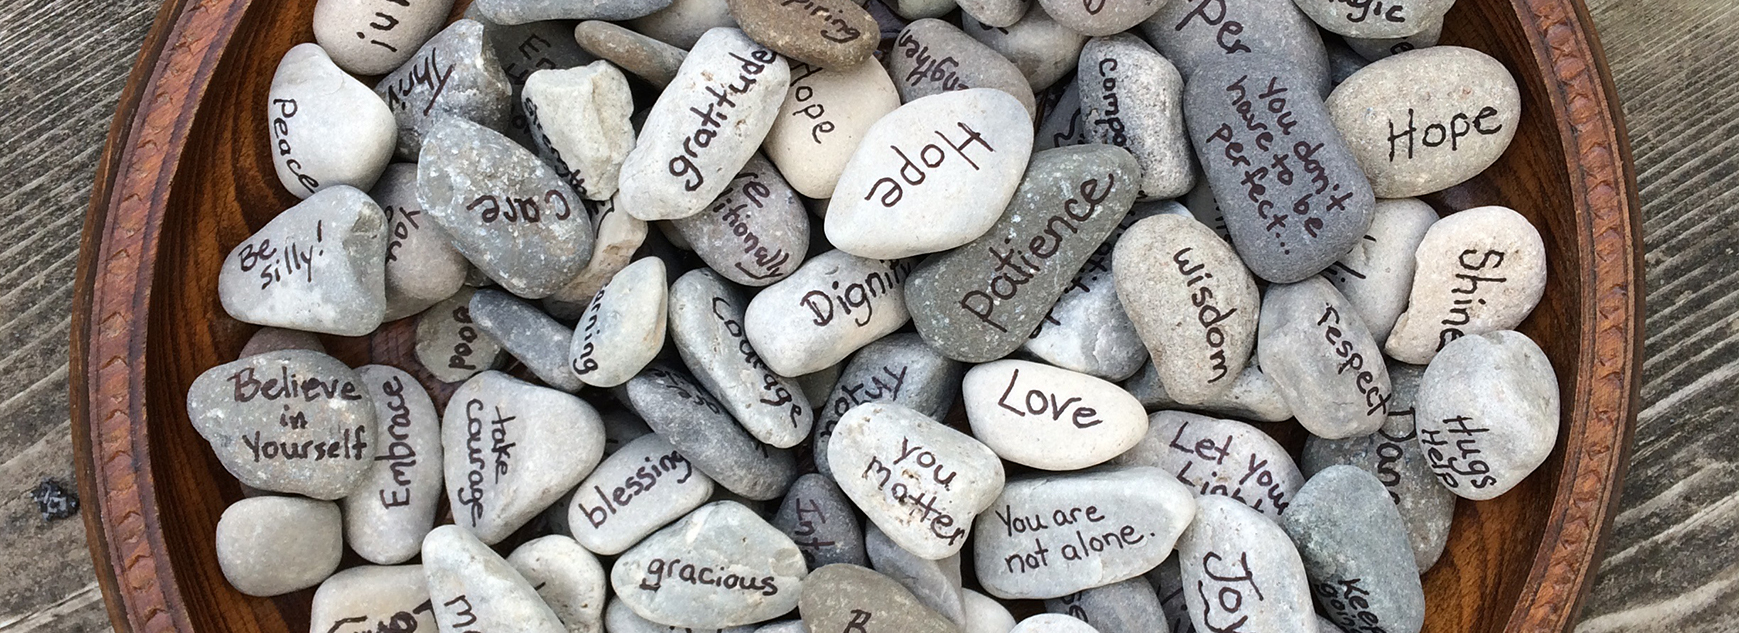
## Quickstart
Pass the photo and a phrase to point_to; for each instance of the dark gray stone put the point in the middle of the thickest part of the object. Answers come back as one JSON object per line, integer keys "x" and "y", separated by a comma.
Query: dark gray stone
{"x": 531, "y": 336}
{"x": 1197, "y": 34}
{"x": 697, "y": 425}
{"x": 900, "y": 369}
{"x": 932, "y": 57}
{"x": 841, "y": 595}
{"x": 1130, "y": 606}
{"x": 936, "y": 583}
{"x": 1355, "y": 551}
{"x": 822, "y": 522}
{"x": 454, "y": 74}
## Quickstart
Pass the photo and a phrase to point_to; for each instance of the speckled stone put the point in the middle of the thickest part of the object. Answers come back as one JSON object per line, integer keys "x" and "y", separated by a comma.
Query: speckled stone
{"x": 1099, "y": 18}
{"x": 1388, "y": 20}
{"x": 881, "y": 442}
{"x": 707, "y": 325}
{"x": 578, "y": 119}
{"x": 1196, "y": 34}
{"x": 984, "y": 614}
{"x": 1253, "y": 396}
{"x": 326, "y": 127}
{"x": 1379, "y": 48}
{"x": 523, "y": 11}
{"x": 568, "y": 578}
{"x": 318, "y": 267}
{"x": 450, "y": 346}
{"x": 683, "y": 22}
{"x": 1377, "y": 275}
{"x": 899, "y": 368}
{"x": 473, "y": 588}
{"x": 538, "y": 341}
{"x": 659, "y": 580}
{"x": 1487, "y": 413}
{"x": 368, "y": 599}
{"x": 623, "y": 329}
{"x": 825, "y": 114}
{"x": 1050, "y": 418}
{"x": 703, "y": 431}
{"x": 1130, "y": 606}
{"x": 1167, "y": 582}
{"x": 1042, "y": 49}
{"x": 1221, "y": 458}
{"x": 647, "y": 58}
{"x": 1355, "y": 551}
{"x": 388, "y": 514}
{"x": 373, "y": 37}
{"x": 821, "y": 521}
{"x": 472, "y": 86}
{"x": 931, "y": 57}
{"x": 757, "y": 231}
{"x": 842, "y": 595}
{"x": 1087, "y": 329}
{"x": 1476, "y": 271}
{"x": 1132, "y": 97}
{"x": 635, "y": 491}
{"x": 619, "y": 236}
{"x": 422, "y": 267}
{"x": 936, "y": 583}
{"x": 1052, "y": 623}
{"x": 1062, "y": 125}
{"x": 269, "y": 546}
{"x": 524, "y": 49}
{"x": 271, "y": 339}
{"x": 1315, "y": 346}
{"x": 1250, "y": 567}
{"x": 833, "y": 34}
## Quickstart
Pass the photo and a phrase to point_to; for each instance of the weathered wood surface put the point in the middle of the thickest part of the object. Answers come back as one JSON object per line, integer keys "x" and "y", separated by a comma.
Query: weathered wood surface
{"x": 1673, "y": 557}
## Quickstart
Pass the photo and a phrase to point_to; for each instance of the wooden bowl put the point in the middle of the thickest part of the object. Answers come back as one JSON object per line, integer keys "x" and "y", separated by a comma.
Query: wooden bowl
{"x": 187, "y": 175}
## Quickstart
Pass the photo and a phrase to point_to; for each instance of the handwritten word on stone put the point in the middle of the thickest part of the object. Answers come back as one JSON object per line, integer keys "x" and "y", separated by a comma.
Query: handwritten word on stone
{"x": 825, "y": 115}
{"x": 1477, "y": 271}
{"x": 1241, "y": 572}
{"x": 317, "y": 267}
{"x": 904, "y": 470}
{"x": 720, "y": 566}
{"x": 641, "y": 487}
{"x": 756, "y": 233}
{"x": 1219, "y": 457}
{"x": 386, "y": 518}
{"x": 1315, "y": 346}
{"x": 1045, "y": 417}
{"x": 706, "y": 322}
{"x": 327, "y": 128}
{"x": 832, "y": 306}
{"x": 1487, "y": 413}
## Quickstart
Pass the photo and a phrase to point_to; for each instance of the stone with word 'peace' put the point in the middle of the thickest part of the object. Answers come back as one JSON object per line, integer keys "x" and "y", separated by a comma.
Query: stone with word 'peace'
{"x": 981, "y": 301}
{"x": 291, "y": 421}
{"x": 1130, "y": 606}
{"x": 327, "y": 128}
{"x": 450, "y": 346}
{"x": 454, "y": 75}
{"x": 756, "y": 233}
{"x": 1317, "y": 349}
{"x": 1377, "y": 275}
{"x": 832, "y": 306}
{"x": 1238, "y": 566}
{"x": 640, "y": 488}
{"x": 422, "y": 267}
{"x": 388, "y": 514}
{"x": 720, "y": 566}
{"x": 683, "y": 22}
{"x": 932, "y": 57}
{"x": 899, "y": 368}
{"x": 824, "y": 116}
{"x": 1355, "y": 551}
{"x": 512, "y": 448}
{"x": 376, "y": 36}
{"x": 505, "y": 210}
{"x": 1426, "y": 120}
{"x": 269, "y": 546}
{"x": 918, "y": 480}
{"x": 1487, "y": 413}
{"x": 538, "y": 341}
{"x": 1197, "y": 34}
{"x": 1253, "y": 396}
{"x": 985, "y": 614}
{"x": 1051, "y": 535}
{"x": 1395, "y": 18}
{"x": 1132, "y": 97}
{"x": 523, "y": 11}
{"x": 647, "y": 58}
{"x": 1219, "y": 457}
{"x": 567, "y": 577}
{"x": 820, "y": 520}
{"x": 578, "y": 119}
{"x": 623, "y": 329}
{"x": 475, "y": 589}
{"x": 1042, "y": 49}
{"x": 843, "y": 597}
{"x": 1053, "y": 623}
{"x": 833, "y": 34}
{"x": 936, "y": 583}
{"x": 1049, "y": 418}
{"x": 369, "y": 599}
{"x": 317, "y": 267}
{"x": 706, "y": 323}
{"x": 681, "y": 411}
{"x": 619, "y": 237}
{"x": 1476, "y": 271}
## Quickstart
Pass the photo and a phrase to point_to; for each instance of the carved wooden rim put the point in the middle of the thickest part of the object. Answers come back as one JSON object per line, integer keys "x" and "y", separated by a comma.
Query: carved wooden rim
{"x": 149, "y": 131}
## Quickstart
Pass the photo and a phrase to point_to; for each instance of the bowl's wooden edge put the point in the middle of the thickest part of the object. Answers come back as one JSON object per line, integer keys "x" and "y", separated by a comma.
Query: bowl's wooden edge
{"x": 1603, "y": 408}
{"x": 117, "y": 254}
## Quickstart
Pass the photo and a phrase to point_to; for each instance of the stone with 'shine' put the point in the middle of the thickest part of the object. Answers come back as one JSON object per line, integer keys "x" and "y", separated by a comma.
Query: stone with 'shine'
{"x": 318, "y": 267}
{"x": 387, "y": 516}
{"x": 641, "y": 487}
{"x": 327, "y": 128}
{"x": 1476, "y": 271}
{"x": 1487, "y": 413}
{"x": 1049, "y": 418}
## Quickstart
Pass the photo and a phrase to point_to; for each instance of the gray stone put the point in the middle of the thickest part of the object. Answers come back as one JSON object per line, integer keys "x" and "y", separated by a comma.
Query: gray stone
{"x": 1130, "y": 606}
{"x": 538, "y": 341}
{"x": 647, "y": 58}
{"x": 1317, "y": 349}
{"x": 1122, "y": 70}
{"x": 271, "y": 339}
{"x": 422, "y": 267}
{"x": 1427, "y": 120}
{"x": 578, "y": 118}
{"x": 1098, "y": 18}
{"x": 985, "y": 615}
{"x": 368, "y": 599}
{"x": 474, "y": 589}
{"x": 618, "y": 618}
{"x": 1377, "y": 275}
{"x": 824, "y": 116}
{"x": 505, "y": 210}
{"x": 1355, "y": 551}
{"x": 1317, "y": 186}
{"x": 1167, "y": 582}
{"x": 703, "y": 431}
{"x": 623, "y": 328}
{"x": 375, "y": 36}
{"x": 523, "y": 11}
{"x": 1042, "y": 49}
{"x": 1379, "y": 48}
{"x": 327, "y": 128}
{"x": 683, "y": 22}
{"x": 1201, "y": 203}
{"x": 1392, "y": 19}
{"x": 1216, "y": 457}
{"x": 389, "y": 513}
{"x": 1087, "y": 329}
{"x": 1487, "y": 413}
{"x": 687, "y": 153}
{"x": 905, "y": 10}
{"x": 756, "y": 232}
{"x": 832, "y": 306}
{"x": 1062, "y": 125}
{"x": 951, "y": 201}
{"x": 840, "y": 595}
{"x": 619, "y": 236}
{"x": 1253, "y": 396}
{"x": 759, "y": 571}
{"x": 513, "y": 448}
{"x": 1323, "y": 625}
{"x": 524, "y": 49}
{"x": 1198, "y": 34}
{"x": 269, "y": 546}
{"x": 816, "y": 385}
{"x": 833, "y": 34}
{"x": 621, "y": 426}
{"x": 298, "y": 273}
{"x": 567, "y": 577}
{"x": 994, "y": 13}
{"x": 1479, "y": 270}
{"x": 1343, "y": 61}
{"x": 706, "y": 323}
{"x": 1049, "y": 418}
{"x": 454, "y": 75}
{"x": 936, "y": 583}
{"x": 880, "y": 443}
{"x": 817, "y": 517}
{"x": 450, "y": 346}
{"x": 931, "y": 57}
{"x": 1250, "y": 567}
{"x": 635, "y": 491}
{"x": 1051, "y": 535}
{"x": 1052, "y": 623}
{"x": 290, "y": 421}
{"x": 900, "y": 369}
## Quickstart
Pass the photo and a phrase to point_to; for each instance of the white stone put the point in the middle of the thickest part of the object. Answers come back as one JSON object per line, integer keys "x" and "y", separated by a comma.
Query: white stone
{"x": 327, "y": 128}
{"x": 268, "y": 546}
{"x": 386, "y": 517}
{"x": 568, "y": 578}
{"x": 1219, "y": 457}
{"x": 1053, "y": 623}
{"x": 579, "y": 121}
{"x": 474, "y": 589}
{"x": 623, "y": 329}
{"x": 1050, "y": 418}
{"x": 1477, "y": 271}
{"x": 1248, "y": 567}
{"x": 1377, "y": 275}
{"x": 319, "y": 267}
{"x": 984, "y": 614}
{"x": 370, "y": 599}
{"x": 619, "y": 236}
{"x": 832, "y": 306}
{"x": 825, "y": 115}
{"x": 757, "y": 571}
{"x": 372, "y": 37}
{"x": 640, "y": 488}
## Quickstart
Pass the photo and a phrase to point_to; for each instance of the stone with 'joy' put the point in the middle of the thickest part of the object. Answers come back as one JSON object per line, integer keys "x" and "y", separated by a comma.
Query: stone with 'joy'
{"x": 1049, "y": 418}
{"x": 1240, "y": 567}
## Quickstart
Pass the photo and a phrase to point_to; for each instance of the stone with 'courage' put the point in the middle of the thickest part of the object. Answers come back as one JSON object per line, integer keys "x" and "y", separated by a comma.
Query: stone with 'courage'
{"x": 1487, "y": 413}
{"x": 706, "y": 323}
{"x": 1049, "y": 418}
{"x": 720, "y": 566}
{"x": 1315, "y": 346}
{"x": 512, "y": 448}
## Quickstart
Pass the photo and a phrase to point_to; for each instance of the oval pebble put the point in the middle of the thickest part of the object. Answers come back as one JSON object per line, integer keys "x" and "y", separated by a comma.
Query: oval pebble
{"x": 759, "y": 571}
{"x": 707, "y": 325}
{"x": 619, "y": 237}
{"x": 422, "y": 267}
{"x": 824, "y": 117}
{"x": 1476, "y": 271}
{"x": 1487, "y": 413}
{"x": 840, "y": 595}
{"x": 832, "y": 306}
{"x": 1372, "y": 20}
{"x": 984, "y": 614}
{"x": 1122, "y": 70}
{"x": 643, "y": 486}
{"x": 450, "y": 346}
{"x": 371, "y": 598}
{"x": 623, "y": 329}
{"x": 931, "y": 57}
{"x": 757, "y": 231}
{"x": 1130, "y": 606}
{"x": 1219, "y": 457}
{"x": 683, "y": 22}
{"x": 538, "y": 341}
{"x": 1052, "y": 623}
{"x": 1049, "y": 418}
{"x": 1355, "y": 551}
{"x": 298, "y": 272}
{"x": 649, "y": 59}
{"x": 820, "y": 520}
{"x": 523, "y": 11}
{"x": 1250, "y": 567}
{"x": 327, "y": 128}
{"x": 373, "y": 37}
{"x": 1315, "y": 346}
{"x": 936, "y": 583}
{"x": 388, "y": 514}
{"x": 269, "y": 546}
{"x": 699, "y": 427}
{"x": 567, "y": 577}
{"x": 832, "y": 34}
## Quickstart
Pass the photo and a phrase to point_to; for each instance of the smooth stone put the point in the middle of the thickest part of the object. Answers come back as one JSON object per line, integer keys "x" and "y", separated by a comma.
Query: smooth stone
{"x": 1200, "y": 34}
{"x": 727, "y": 539}
{"x": 647, "y": 58}
{"x": 422, "y": 267}
{"x": 269, "y": 546}
{"x": 936, "y": 583}
{"x": 373, "y": 37}
{"x": 1042, "y": 49}
{"x": 1052, "y": 535}
{"x": 980, "y": 302}
{"x": 1389, "y": 111}
{"x": 271, "y": 339}
{"x": 369, "y": 599}
{"x": 1377, "y": 275}
{"x": 523, "y": 11}
{"x": 1052, "y": 623}
{"x": 1249, "y": 565}
{"x": 839, "y": 597}
{"x": 538, "y": 341}
{"x": 623, "y": 328}
{"x": 1378, "y": 48}
{"x": 473, "y": 86}
{"x": 1098, "y": 18}
{"x": 619, "y": 236}
{"x": 816, "y": 385}
{"x": 904, "y": 11}
{"x": 879, "y": 442}
{"x": 832, "y": 306}
{"x": 824, "y": 117}
{"x": 899, "y": 368}
{"x": 504, "y": 209}
{"x": 1487, "y": 413}
{"x": 1343, "y": 61}
{"x": 1050, "y": 418}
{"x": 1201, "y": 204}
{"x": 1355, "y": 551}
{"x": 681, "y": 411}
{"x": 1192, "y": 301}
{"x": 932, "y": 57}
{"x": 1316, "y": 348}
{"x": 1330, "y": 206}
{"x": 993, "y": 13}
{"x": 1456, "y": 295}
{"x": 1215, "y": 457}
{"x": 1389, "y": 20}
{"x": 955, "y": 200}
{"x": 621, "y": 426}
{"x": 578, "y": 119}
{"x": 985, "y": 615}
{"x": 559, "y": 438}
{"x": 288, "y": 275}
{"x": 450, "y": 346}
{"x": 327, "y": 128}
{"x": 1324, "y": 625}
{"x": 1130, "y": 606}
{"x": 706, "y": 323}
{"x": 757, "y": 231}
{"x": 683, "y": 22}
{"x": 524, "y": 49}
{"x": 833, "y": 34}
{"x": 1253, "y": 396}
{"x": 1123, "y": 70}
{"x": 618, "y": 618}
{"x": 1167, "y": 581}
{"x": 818, "y": 517}
{"x": 389, "y": 513}
{"x": 622, "y": 501}
{"x": 1087, "y": 330}
{"x": 567, "y": 577}
{"x": 784, "y": 626}
{"x": 674, "y": 170}
{"x": 291, "y": 421}
{"x": 474, "y": 589}
{"x": 1062, "y": 125}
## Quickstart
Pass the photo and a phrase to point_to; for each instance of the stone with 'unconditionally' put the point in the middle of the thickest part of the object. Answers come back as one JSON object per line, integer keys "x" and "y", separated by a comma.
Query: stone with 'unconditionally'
{"x": 720, "y": 566}
{"x": 889, "y": 459}
{"x": 318, "y": 267}
{"x": 1476, "y": 271}
{"x": 327, "y": 128}
{"x": 1315, "y": 346}
{"x": 1487, "y": 413}
{"x": 1049, "y": 418}
{"x": 756, "y": 233}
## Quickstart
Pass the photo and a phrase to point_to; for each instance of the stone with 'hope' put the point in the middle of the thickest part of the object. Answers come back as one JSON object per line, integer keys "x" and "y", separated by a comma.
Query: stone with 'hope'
{"x": 1049, "y": 418}
{"x": 720, "y": 566}
{"x": 825, "y": 115}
